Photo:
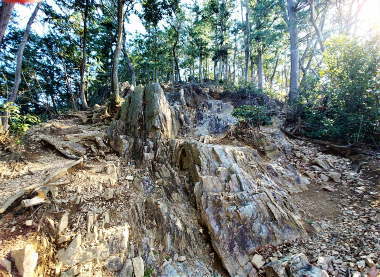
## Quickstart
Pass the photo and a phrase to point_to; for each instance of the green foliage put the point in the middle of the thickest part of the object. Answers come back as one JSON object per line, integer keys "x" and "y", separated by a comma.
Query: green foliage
{"x": 344, "y": 103}
{"x": 254, "y": 115}
{"x": 148, "y": 272}
{"x": 18, "y": 123}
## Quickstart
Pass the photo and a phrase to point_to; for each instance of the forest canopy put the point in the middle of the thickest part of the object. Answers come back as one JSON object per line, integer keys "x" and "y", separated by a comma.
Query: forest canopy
{"x": 320, "y": 57}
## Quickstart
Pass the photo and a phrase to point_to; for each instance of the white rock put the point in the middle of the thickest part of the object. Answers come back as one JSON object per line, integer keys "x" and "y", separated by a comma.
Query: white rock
{"x": 125, "y": 237}
{"x": 360, "y": 264}
{"x": 258, "y": 261}
{"x": 63, "y": 223}
{"x": 67, "y": 256}
{"x": 335, "y": 176}
{"x": 369, "y": 262}
{"x": 181, "y": 259}
{"x": 130, "y": 178}
{"x": 6, "y": 264}
{"x": 109, "y": 194}
{"x": 26, "y": 260}
{"x": 138, "y": 266}
{"x": 29, "y": 223}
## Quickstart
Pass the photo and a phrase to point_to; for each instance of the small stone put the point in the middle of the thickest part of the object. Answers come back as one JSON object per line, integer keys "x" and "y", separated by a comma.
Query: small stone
{"x": 181, "y": 259}
{"x": 114, "y": 264}
{"x": 335, "y": 176}
{"x": 138, "y": 266}
{"x": 324, "y": 178}
{"x": 29, "y": 223}
{"x": 106, "y": 218}
{"x": 360, "y": 264}
{"x": 109, "y": 194}
{"x": 64, "y": 238}
{"x": 321, "y": 163}
{"x": 130, "y": 178}
{"x": 329, "y": 188}
{"x": 356, "y": 274}
{"x": 6, "y": 264}
{"x": 369, "y": 262}
{"x": 26, "y": 260}
{"x": 258, "y": 261}
{"x": 63, "y": 223}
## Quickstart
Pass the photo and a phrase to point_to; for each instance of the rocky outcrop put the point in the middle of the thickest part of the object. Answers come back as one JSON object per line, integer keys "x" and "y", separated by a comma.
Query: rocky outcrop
{"x": 242, "y": 199}
{"x": 145, "y": 117}
{"x": 215, "y": 117}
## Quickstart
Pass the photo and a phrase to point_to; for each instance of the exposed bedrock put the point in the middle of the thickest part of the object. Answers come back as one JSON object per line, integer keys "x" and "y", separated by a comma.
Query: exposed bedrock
{"x": 242, "y": 197}
{"x": 243, "y": 204}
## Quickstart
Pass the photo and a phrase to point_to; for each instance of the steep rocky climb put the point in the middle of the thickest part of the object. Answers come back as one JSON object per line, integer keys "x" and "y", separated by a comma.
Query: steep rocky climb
{"x": 174, "y": 187}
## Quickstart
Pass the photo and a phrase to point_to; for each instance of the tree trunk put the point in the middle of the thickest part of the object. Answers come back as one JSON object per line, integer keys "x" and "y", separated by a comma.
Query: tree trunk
{"x": 234, "y": 63}
{"x": 274, "y": 70}
{"x": 200, "y": 68}
{"x": 253, "y": 69}
{"x": 294, "y": 56}
{"x": 247, "y": 41}
{"x": 316, "y": 27}
{"x": 20, "y": 54}
{"x": 131, "y": 68}
{"x": 5, "y": 14}
{"x": 214, "y": 69}
{"x": 260, "y": 69}
{"x": 115, "y": 62}
{"x": 83, "y": 66}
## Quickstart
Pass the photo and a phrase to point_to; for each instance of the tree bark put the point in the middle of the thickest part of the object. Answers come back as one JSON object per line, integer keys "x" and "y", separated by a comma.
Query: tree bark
{"x": 5, "y": 15}
{"x": 247, "y": 41}
{"x": 115, "y": 62}
{"x": 83, "y": 66}
{"x": 274, "y": 70}
{"x": 200, "y": 68}
{"x": 260, "y": 69}
{"x": 294, "y": 55}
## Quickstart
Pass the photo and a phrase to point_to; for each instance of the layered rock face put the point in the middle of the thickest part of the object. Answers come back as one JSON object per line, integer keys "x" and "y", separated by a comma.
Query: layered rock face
{"x": 242, "y": 200}
{"x": 241, "y": 197}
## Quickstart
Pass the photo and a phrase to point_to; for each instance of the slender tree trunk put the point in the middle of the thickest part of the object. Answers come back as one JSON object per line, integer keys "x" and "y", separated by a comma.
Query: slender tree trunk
{"x": 20, "y": 54}
{"x": 215, "y": 68}
{"x": 200, "y": 68}
{"x": 274, "y": 70}
{"x": 68, "y": 89}
{"x": 83, "y": 66}
{"x": 260, "y": 69}
{"x": 247, "y": 41}
{"x": 116, "y": 57}
{"x": 131, "y": 68}
{"x": 316, "y": 27}
{"x": 234, "y": 63}
{"x": 253, "y": 69}
{"x": 5, "y": 14}
{"x": 294, "y": 56}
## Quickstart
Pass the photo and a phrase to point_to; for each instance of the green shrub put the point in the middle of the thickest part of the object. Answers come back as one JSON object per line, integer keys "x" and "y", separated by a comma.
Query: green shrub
{"x": 18, "y": 123}
{"x": 342, "y": 103}
{"x": 253, "y": 115}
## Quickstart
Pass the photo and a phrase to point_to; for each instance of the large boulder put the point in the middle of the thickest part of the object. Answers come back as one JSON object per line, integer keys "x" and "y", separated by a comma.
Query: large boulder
{"x": 242, "y": 200}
